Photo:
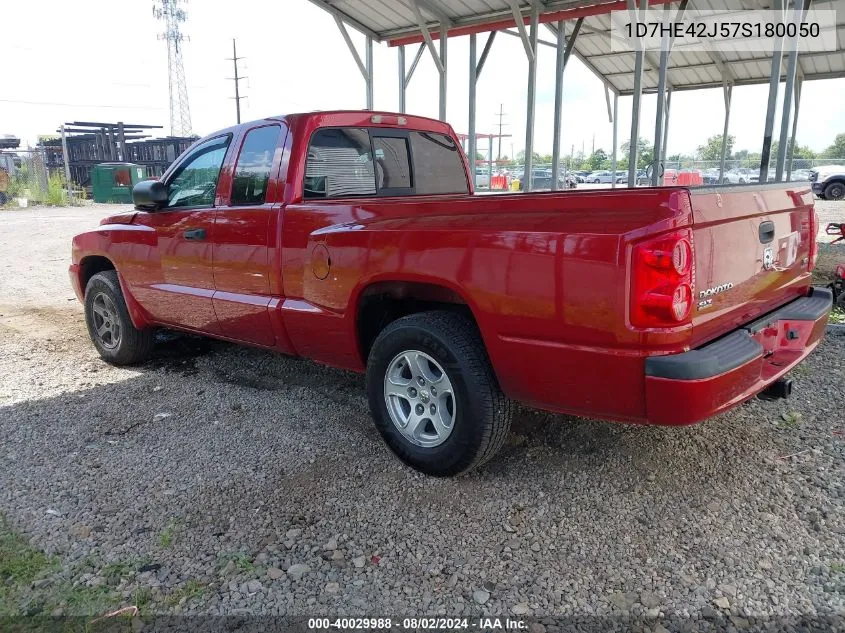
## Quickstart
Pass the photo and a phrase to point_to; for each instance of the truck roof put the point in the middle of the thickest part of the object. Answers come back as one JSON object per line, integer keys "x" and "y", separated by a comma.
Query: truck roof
{"x": 352, "y": 118}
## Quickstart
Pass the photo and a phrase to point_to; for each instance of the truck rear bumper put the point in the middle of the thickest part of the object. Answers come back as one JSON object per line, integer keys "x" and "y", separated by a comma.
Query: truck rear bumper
{"x": 689, "y": 387}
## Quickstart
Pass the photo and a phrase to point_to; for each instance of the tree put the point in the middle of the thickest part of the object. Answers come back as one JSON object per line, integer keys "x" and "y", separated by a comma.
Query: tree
{"x": 597, "y": 160}
{"x": 644, "y": 151}
{"x": 837, "y": 150}
{"x": 520, "y": 157}
{"x": 712, "y": 149}
{"x": 801, "y": 152}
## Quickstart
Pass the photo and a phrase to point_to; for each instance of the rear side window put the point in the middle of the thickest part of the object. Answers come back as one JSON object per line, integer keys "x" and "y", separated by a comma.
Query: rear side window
{"x": 252, "y": 172}
{"x": 393, "y": 162}
{"x": 438, "y": 167}
{"x": 339, "y": 164}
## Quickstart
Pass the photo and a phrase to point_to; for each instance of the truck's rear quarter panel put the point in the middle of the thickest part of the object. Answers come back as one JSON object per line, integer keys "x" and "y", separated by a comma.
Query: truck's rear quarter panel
{"x": 545, "y": 276}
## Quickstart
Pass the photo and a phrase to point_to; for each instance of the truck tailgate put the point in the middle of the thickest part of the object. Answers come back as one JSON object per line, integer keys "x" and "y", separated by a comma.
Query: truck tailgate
{"x": 753, "y": 249}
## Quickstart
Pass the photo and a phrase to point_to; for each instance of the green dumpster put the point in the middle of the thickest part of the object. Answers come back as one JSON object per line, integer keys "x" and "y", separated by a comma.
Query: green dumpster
{"x": 113, "y": 182}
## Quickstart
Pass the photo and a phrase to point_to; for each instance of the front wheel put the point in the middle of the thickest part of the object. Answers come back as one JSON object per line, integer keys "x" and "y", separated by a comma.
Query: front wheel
{"x": 111, "y": 330}
{"x": 834, "y": 191}
{"x": 433, "y": 394}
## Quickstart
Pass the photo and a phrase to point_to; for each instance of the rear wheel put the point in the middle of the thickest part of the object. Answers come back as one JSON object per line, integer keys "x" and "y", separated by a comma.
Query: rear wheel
{"x": 433, "y": 394}
{"x": 834, "y": 191}
{"x": 111, "y": 330}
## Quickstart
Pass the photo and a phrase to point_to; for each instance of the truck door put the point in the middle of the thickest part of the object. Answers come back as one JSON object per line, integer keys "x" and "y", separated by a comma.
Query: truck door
{"x": 177, "y": 281}
{"x": 245, "y": 232}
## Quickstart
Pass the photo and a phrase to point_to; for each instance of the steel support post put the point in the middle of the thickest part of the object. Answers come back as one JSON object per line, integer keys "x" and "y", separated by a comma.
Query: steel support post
{"x": 666, "y": 125}
{"x": 473, "y": 81}
{"x": 559, "y": 68}
{"x": 661, "y": 106}
{"x": 615, "y": 139}
{"x": 366, "y": 66}
{"x": 637, "y": 96}
{"x": 402, "y": 91}
{"x": 444, "y": 38}
{"x": 798, "y": 86}
{"x": 531, "y": 52}
{"x": 368, "y": 78}
{"x": 774, "y": 81}
{"x": 791, "y": 66}
{"x": 727, "y": 89}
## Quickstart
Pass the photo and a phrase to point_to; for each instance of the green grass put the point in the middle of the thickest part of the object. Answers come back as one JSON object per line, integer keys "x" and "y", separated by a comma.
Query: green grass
{"x": 190, "y": 590}
{"x": 21, "y": 565}
{"x": 791, "y": 419}
{"x": 837, "y": 315}
{"x": 168, "y": 534}
{"x": 18, "y": 560}
{"x": 839, "y": 568}
{"x": 243, "y": 562}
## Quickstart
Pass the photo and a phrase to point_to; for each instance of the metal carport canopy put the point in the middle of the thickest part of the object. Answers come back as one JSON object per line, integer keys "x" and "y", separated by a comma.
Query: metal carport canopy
{"x": 395, "y": 22}
{"x": 582, "y": 28}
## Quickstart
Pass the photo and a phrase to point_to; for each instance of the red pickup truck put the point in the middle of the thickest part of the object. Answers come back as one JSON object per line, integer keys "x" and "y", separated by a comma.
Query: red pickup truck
{"x": 354, "y": 239}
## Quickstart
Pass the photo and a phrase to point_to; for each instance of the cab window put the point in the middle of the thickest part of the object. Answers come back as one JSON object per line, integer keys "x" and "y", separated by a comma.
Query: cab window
{"x": 194, "y": 183}
{"x": 252, "y": 171}
{"x": 339, "y": 164}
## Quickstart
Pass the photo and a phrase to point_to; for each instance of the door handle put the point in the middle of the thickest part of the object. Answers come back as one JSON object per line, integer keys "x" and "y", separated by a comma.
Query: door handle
{"x": 194, "y": 234}
{"x": 766, "y": 231}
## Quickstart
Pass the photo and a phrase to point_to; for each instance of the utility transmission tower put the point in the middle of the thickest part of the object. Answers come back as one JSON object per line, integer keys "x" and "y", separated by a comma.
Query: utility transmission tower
{"x": 234, "y": 59}
{"x": 173, "y": 15}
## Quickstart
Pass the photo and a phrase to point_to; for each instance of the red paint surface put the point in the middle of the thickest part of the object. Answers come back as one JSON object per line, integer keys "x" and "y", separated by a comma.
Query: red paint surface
{"x": 546, "y": 275}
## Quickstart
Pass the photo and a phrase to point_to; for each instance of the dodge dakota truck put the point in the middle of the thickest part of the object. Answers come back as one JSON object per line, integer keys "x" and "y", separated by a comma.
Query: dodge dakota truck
{"x": 355, "y": 239}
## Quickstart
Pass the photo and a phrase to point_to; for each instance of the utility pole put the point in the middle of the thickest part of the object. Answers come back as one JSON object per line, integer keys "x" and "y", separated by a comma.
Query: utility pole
{"x": 501, "y": 114}
{"x": 234, "y": 59}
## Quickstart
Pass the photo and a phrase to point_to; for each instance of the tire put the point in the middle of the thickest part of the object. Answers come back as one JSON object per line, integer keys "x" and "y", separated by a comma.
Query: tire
{"x": 125, "y": 344}
{"x": 479, "y": 414}
{"x": 834, "y": 191}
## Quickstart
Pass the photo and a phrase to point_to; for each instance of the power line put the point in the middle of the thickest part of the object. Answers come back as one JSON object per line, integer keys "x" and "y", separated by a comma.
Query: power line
{"x": 234, "y": 59}
{"x": 80, "y": 105}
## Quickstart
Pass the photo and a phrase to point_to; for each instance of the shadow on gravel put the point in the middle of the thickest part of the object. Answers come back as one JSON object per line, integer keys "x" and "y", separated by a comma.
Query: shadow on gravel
{"x": 212, "y": 451}
{"x": 175, "y": 352}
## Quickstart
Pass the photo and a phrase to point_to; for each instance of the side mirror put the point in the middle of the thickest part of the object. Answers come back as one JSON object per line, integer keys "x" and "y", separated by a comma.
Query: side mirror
{"x": 149, "y": 195}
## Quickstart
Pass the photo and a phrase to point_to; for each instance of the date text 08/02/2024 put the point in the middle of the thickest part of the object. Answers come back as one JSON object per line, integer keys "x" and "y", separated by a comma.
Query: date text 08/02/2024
{"x": 440, "y": 624}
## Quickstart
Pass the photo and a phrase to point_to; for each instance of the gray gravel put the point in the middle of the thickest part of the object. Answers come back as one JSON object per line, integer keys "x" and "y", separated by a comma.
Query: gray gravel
{"x": 262, "y": 478}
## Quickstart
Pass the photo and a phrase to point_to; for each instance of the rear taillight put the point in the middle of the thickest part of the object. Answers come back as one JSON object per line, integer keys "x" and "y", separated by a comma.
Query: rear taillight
{"x": 814, "y": 239}
{"x": 662, "y": 287}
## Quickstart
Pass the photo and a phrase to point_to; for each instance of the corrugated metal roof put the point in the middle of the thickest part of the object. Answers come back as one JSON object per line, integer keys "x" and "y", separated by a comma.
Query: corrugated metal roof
{"x": 394, "y": 22}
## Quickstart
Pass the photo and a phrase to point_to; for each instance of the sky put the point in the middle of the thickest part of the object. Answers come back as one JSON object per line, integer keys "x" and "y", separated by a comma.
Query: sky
{"x": 101, "y": 60}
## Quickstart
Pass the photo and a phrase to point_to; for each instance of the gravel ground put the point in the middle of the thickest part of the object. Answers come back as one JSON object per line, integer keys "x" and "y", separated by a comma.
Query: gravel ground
{"x": 220, "y": 480}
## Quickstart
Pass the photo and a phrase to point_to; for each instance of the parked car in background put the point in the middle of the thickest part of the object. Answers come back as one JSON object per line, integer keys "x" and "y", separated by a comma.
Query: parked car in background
{"x": 602, "y": 176}
{"x": 710, "y": 176}
{"x": 353, "y": 238}
{"x": 743, "y": 175}
{"x": 482, "y": 177}
{"x": 828, "y": 181}
{"x": 800, "y": 175}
